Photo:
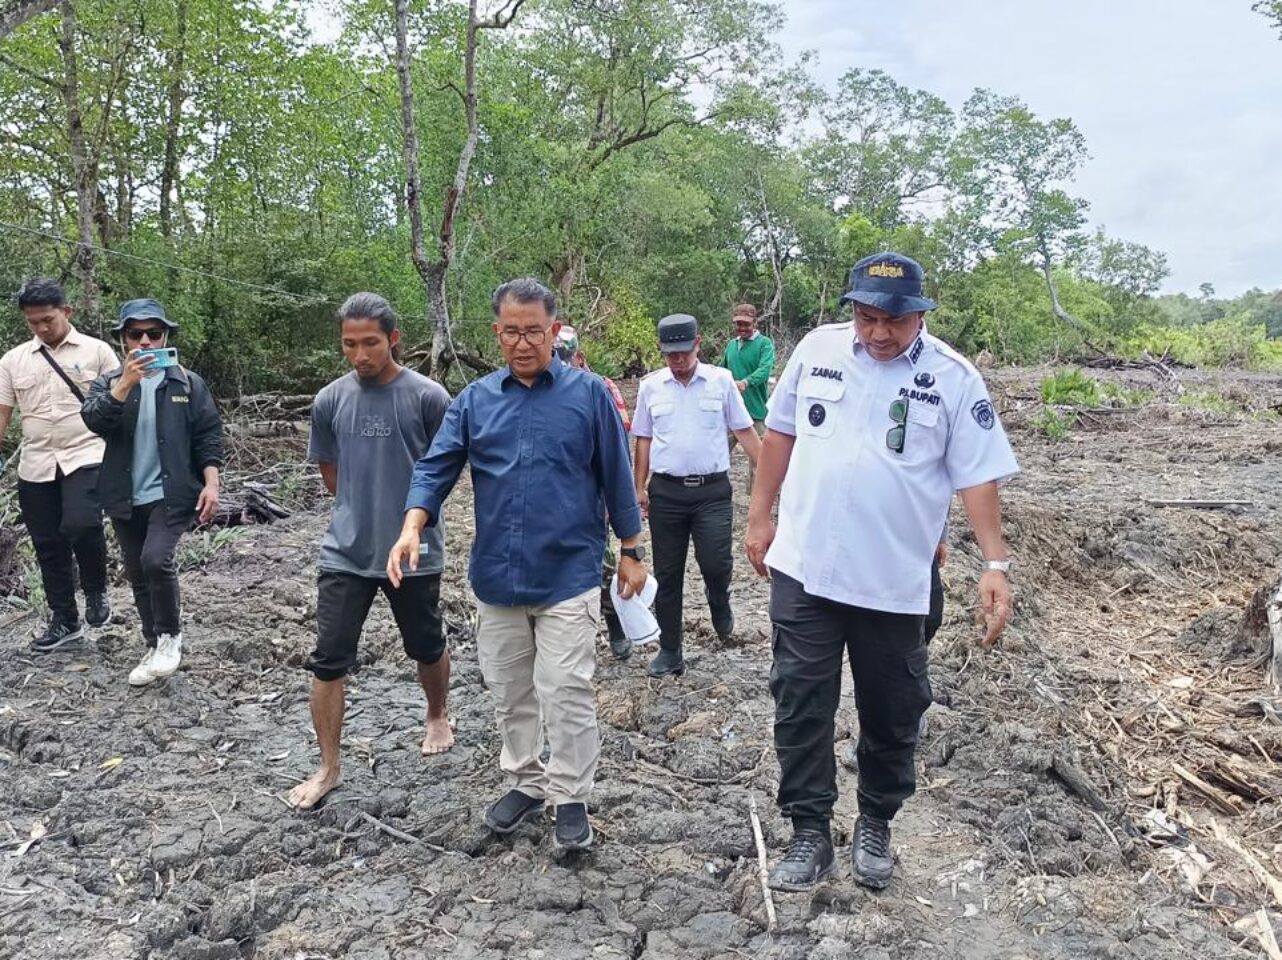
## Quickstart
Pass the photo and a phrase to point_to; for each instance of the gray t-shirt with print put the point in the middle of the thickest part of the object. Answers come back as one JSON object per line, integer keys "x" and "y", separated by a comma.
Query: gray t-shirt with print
{"x": 375, "y": 433}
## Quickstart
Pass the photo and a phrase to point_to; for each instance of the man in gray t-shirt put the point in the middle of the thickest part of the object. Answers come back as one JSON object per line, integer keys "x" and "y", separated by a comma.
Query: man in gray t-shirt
{"x": 368, "y": 429}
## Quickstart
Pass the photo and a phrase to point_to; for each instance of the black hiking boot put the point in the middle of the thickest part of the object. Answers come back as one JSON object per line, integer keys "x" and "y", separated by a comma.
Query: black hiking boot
{"x": 573, "y": 831}
{"x": 512, "y": 809}
{"x": 620, "y": 645}
{"x": 808, "y": 861}
{"x": 667, "y": 663}
{"x": 57, "y": 634}
{"x": 97, "y": 609}
{"x": 870, "y": 856}
{"x": 724, "y": 627}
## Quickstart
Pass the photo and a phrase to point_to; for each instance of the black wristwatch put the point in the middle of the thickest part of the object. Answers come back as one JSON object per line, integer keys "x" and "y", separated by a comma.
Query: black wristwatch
{"x": 636, "y": 553}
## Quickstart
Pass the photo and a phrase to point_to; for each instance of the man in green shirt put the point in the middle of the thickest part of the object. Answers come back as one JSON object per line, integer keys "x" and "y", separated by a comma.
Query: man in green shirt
{"x": 750, "y": 358}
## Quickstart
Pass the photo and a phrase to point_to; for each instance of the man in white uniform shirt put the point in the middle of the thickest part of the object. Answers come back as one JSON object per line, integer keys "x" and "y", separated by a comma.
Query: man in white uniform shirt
{"x": 683, "y": 414}
{"x": 872, "y": 427}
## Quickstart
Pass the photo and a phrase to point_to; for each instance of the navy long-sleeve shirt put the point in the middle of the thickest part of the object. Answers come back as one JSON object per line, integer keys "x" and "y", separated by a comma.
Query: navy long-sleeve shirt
{"x": 548, "y": 462}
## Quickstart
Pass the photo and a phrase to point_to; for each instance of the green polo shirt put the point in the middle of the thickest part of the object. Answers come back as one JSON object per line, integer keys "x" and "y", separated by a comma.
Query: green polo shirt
{"x": 753, "y": 361}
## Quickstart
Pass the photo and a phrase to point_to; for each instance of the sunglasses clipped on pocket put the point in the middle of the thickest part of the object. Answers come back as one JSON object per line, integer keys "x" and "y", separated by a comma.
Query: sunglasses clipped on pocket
{"x": 896, "y": 435}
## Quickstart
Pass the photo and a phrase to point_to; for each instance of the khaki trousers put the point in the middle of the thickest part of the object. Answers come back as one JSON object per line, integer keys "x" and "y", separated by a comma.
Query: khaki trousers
{"x": 538, "y": 662}
{"x": 759, "y": 426}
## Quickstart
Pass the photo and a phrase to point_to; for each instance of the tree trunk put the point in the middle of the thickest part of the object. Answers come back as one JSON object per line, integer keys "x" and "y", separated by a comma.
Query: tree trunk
{"x": 1056, "y": 307}
{"x": 772, "y": 245}
{"x": 84, "y": 173}
{"x": 170, "y": 171}
{"x": 14, "y": 13}
{"x": 435, "y": 271}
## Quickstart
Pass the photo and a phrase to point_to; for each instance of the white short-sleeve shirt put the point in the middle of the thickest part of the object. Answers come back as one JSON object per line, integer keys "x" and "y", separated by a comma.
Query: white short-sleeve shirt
{"x": 687, "y": 422}
{"x": 858, "y": 521}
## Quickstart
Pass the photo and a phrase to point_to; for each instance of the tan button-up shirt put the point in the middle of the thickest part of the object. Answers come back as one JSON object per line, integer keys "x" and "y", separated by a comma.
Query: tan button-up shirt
{"x": 53, "y": 434}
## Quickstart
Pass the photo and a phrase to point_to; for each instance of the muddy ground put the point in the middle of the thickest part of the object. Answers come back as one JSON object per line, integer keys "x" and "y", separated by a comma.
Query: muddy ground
{"x": 1032, "y": 834}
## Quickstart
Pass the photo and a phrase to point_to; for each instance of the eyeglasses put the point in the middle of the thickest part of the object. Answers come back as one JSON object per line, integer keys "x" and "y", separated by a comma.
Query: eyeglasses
{"x": 153, "y": 333}
{"x": 895, "y": 435}
{"x": 535, "y": 338}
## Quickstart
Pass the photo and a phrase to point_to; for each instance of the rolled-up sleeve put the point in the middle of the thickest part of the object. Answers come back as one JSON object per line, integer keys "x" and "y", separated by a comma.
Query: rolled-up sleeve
{"x": 614, "y": 468}
{"x": 436, "y": 472}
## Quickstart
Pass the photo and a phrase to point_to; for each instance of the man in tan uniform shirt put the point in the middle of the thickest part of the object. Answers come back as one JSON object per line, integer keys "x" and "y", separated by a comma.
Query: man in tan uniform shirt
{"x": 46, "y": 379}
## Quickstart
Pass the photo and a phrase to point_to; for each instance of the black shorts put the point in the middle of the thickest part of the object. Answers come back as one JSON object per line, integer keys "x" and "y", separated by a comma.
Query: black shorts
{"x": 342, "y": 604}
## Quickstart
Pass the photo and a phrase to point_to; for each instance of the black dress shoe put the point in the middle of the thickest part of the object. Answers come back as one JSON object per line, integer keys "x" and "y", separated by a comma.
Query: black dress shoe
{"x": 511, "y": 810}
{"x": 667, "y": 663}
{"x": 870, "y": 855}
{"x": 97, "y": 609}
{"x": 809, "y": 860}
{"x": 573, "y": 831}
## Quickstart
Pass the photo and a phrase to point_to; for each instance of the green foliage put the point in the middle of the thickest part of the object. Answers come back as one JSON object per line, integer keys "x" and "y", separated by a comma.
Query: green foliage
{"x": 1071, "y": 388}
{"x": 198, "y": 550}
{"x": 643, "y": 157}
{"x": 1054, "y": 424}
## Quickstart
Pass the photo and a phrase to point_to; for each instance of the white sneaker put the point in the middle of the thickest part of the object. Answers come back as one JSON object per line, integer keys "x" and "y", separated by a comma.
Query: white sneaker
{"x": 141, "y": 675}
{"x": 169, "y": 653}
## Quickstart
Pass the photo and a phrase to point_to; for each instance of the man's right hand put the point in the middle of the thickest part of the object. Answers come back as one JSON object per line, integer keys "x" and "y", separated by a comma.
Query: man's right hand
{"x": 761, "y": 533}
{"x": 134, "y": 370}
{"x": 405, "y": 549}
{"x": 643, "y": 501}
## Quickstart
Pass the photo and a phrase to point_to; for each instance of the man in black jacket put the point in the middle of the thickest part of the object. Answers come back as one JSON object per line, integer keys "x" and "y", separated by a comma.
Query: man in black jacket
{"x": 159, "y": 472}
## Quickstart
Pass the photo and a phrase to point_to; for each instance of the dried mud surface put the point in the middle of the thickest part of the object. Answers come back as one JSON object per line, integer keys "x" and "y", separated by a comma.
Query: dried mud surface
{"x": 1133, "y": 651}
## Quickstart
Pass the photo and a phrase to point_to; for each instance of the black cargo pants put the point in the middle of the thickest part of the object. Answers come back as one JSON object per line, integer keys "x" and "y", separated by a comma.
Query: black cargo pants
{"x": 889, "y": 663}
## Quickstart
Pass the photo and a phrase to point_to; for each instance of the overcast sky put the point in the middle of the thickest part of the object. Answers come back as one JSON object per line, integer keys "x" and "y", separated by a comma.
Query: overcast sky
{"x": 1180, "y": 102}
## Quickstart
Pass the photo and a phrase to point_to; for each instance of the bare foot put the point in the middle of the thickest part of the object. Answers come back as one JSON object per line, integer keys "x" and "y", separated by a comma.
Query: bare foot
{"x": 439, "y": 737}
{"x": 311, "y": 791}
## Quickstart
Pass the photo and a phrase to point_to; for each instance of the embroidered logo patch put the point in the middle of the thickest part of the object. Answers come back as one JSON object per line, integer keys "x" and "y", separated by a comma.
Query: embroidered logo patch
{"x": 924, "y": 380}
{"x": 179, "y": 398}
{"x": 817, "y": 414}
{"x": 983, "y": 414}
{"x": 918, "y": 347}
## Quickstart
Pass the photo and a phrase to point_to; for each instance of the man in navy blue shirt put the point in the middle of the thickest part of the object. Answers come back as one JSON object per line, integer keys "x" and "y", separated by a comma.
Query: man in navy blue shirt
{"x": 549, "y": 458}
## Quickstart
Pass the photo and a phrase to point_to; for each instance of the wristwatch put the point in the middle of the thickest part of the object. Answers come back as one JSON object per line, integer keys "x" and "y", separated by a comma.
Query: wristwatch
{"x": 633, "y": 553}
{"x": 1001, "y": 566}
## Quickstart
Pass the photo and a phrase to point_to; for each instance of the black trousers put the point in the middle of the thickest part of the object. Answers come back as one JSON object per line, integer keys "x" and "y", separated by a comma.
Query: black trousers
{"x": 678, "y": 515}
{"x": 65, "y": 524}
{"x": 935, "y": 619}
{"x": 889, "y": 663}
{"x": 148, "y": 546}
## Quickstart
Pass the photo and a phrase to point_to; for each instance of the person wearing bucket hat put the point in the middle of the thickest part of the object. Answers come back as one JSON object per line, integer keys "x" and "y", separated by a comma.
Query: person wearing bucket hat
{"x": 684, "y": 411}
{"x": 160, "y": 471}
{"x": 568, "y": 349}
{"x": 872, "y": 427}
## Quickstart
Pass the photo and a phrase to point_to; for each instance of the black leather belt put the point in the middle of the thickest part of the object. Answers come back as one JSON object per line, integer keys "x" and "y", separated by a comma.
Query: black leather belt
{"x": 695, "y": 480}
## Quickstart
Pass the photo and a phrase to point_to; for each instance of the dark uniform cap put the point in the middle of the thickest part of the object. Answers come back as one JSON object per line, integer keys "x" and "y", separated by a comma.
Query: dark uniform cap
{"x": 144, "y": 309}
{"x": 677, "y": 333}
{"x": 890, "y": 282}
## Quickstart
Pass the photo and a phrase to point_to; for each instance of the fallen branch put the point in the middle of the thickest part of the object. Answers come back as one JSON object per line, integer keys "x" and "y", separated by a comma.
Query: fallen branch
{"x": 1267, "y": 880}
{"x": 1215, "y": 797}
{"x": 1265, "y": 935}
{"x": 1200, "y": 504}
{"x": 378, "y": 824}
{"x": 1075, "y": 778}
{"x": 771, "y": 918}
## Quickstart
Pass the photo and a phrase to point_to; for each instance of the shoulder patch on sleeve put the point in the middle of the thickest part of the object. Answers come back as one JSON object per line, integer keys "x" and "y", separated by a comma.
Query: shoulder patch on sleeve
{"x": 983, "y": 414}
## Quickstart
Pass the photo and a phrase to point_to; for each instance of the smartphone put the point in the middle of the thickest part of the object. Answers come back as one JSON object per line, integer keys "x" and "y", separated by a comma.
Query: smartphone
{"x": 164, "y": 357}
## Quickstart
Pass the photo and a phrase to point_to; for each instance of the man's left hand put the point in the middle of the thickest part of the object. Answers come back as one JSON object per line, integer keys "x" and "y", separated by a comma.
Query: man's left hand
{"x": 207, "y": 503}
{"x": 632, "y": 577}
{"x": 742, "y": 385}
{"x": 995, "y": 600}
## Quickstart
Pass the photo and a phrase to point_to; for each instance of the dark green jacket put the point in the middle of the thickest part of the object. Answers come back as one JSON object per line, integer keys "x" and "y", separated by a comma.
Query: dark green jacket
{"x": 753, "y": 361}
